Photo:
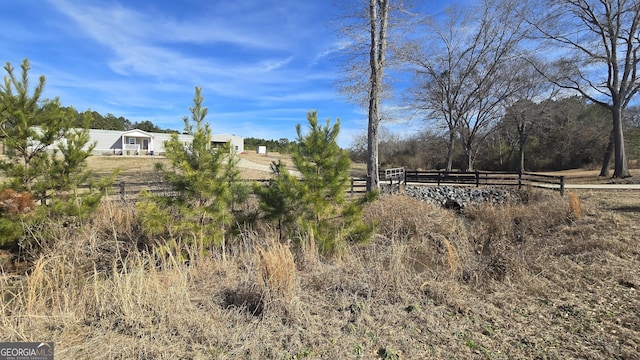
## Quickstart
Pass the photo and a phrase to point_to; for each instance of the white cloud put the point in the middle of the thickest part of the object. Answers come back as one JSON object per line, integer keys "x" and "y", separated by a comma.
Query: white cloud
{"x": 136, "y": 60}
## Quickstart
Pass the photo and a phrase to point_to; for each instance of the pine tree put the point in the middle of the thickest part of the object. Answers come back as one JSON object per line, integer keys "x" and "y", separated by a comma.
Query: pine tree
{"x": 46, "y": 157}
{"x": 74, "y": 192}
{"x": 316, "y": 204}
{"x": 28, "y": 126}
{"x": 206, "y": 182}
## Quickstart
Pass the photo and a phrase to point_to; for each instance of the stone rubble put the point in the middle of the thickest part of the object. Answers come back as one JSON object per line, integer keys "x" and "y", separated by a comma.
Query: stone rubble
{"x": 455, "y": 197}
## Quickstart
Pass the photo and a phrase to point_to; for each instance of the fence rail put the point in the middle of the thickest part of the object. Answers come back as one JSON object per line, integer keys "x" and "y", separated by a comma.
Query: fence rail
{"x": 489, "y": 178}
{"x": 358, "y": 185}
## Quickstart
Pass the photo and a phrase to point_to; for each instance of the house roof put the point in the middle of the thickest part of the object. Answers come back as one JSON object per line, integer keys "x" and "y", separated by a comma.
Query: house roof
{"x": 137, "y": 133}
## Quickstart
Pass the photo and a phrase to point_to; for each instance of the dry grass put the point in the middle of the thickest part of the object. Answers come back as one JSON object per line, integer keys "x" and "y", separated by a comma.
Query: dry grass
{"x": 277, "y": 272}
{"x": 574, "y": 205}
{"x": 502, "y": 282}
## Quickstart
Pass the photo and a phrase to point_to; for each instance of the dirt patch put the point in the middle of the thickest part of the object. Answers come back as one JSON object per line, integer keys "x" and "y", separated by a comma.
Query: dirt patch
{"x": 267, "y": 159}
{"x": 142, "y": 168}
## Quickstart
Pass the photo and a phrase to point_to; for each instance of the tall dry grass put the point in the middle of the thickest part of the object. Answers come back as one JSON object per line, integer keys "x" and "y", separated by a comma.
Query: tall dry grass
{"x": 277, "y": 278}
{"x": 575, "y": 206}
{"x": 97, "y": 293}
{"x": 97, "y": 284}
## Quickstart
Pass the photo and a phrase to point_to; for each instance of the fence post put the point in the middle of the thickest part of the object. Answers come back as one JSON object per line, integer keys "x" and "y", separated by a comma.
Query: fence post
{"x": 561, "y": 185}
{"x": 439, "y": 178}
{"x": 122, "y": 191}
{"x": 519, "y": 180}
{"x": 351, "y": 187}
{"x": 477, "y": 178}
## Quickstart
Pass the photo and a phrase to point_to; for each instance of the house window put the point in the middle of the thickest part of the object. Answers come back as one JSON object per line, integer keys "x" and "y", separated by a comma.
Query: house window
{"x": 132, "y": 141}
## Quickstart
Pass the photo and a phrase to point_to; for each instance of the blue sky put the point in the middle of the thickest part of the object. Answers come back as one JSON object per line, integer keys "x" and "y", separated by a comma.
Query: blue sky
{"x": 262, "y": 64}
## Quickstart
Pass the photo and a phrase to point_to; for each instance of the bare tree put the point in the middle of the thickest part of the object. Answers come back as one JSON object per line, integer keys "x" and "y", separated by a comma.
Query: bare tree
{"x": 465, "y": 70}
{"x": 372, "y": 29}
{"x": 599, "y": 44}
{"x": 379, "y": 20}
{"x": 523, "y": 113}
{"x": 525, "y": 117}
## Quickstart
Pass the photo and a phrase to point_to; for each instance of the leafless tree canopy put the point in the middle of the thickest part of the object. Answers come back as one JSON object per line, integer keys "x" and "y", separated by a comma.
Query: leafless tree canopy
{"x": 468, "y": 68}
{"x": 596, "y": 44}
{"x": 471, "y": 63}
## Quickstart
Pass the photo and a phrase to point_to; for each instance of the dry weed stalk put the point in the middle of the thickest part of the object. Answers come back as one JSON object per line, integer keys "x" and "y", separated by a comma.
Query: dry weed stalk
{"x": 575, "y": 208}
{"x": 453, "y": 258}
{"x": 309, "y": 248}
{"x": 277, "y": 273}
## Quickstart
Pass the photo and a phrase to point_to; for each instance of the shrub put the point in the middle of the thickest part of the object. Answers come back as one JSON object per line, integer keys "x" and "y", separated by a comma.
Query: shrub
{"x": 14, "y": 203}
{"x": 15, "y": 207}
{"x": 206, "y": 182}
{"x": 501, "y": 234}
{"x": 575, "y": 208}
{"x": 315, "y": 206}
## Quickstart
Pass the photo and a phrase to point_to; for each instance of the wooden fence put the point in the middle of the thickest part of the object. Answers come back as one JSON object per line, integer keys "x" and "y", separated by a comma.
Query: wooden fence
{"x": 131, "y": 190}
{"x": 487, "y": 178}
{"x": 358, "y": 185}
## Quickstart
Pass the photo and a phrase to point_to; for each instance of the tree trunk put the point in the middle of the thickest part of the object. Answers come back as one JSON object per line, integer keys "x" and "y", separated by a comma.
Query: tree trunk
{"x": 621, "y": 169}
{"x": 373, "y": 176}
{"x": 378, "y": 32}
{"x": 450, "y": 152}
{"x": 522, "y": 139}
{"x": 470, "y": 162}
{"x": 521, "y": 169}
{"x": 608, "y": 154}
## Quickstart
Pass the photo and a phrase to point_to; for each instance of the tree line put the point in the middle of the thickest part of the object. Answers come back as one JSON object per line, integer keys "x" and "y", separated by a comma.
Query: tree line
{"x": 553, "y": 135}
{"x": 282, "y": 145}
{"x": 111, "y": 122}
{"x": 486, "y": 76}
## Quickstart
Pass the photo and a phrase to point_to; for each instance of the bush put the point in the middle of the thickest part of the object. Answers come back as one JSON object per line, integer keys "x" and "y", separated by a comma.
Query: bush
{"x": 315, "y": 206}
{"x": 206, "y": 182}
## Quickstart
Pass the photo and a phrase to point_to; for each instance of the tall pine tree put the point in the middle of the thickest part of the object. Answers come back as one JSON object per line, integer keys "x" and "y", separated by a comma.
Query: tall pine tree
{"x": 205, "y": 179}
{"x": 316, "y": 203}
{"x": 45, "y": 156}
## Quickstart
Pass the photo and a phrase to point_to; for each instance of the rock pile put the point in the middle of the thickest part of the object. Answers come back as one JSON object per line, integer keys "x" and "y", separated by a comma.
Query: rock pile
{"x": 458, "y": 198}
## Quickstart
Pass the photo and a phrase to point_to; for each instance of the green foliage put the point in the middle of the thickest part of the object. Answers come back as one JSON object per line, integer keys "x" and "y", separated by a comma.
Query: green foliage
{"x": 315, "y": 204}
{"x": 280, "y": 200}
{"x": 282, "y": 145}
{"x": 206, "y": 180}
{"x": 46, "y": 157}
{"x": 74, "y": 192}
{"x": 28, "y": 126}
{"x": 10, "y": 230}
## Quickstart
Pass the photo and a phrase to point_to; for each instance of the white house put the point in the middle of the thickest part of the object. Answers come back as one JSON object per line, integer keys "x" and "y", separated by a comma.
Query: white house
{"x": 138, "y": 142}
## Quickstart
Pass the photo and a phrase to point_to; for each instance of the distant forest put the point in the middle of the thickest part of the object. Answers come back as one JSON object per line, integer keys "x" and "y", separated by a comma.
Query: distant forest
{"x": 111, "y": 122}
{"x": 561, "y": 134}
{"x": 282, "y": 145}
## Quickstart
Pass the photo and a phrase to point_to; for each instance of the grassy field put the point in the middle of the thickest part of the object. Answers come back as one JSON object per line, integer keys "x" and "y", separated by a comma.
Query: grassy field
{"x": 546, "y": 277}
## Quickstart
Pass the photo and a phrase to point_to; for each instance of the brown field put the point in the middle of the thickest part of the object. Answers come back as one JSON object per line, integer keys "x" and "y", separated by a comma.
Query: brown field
{"x": 556, "y": 278}
{"x": 142, "y": 168}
